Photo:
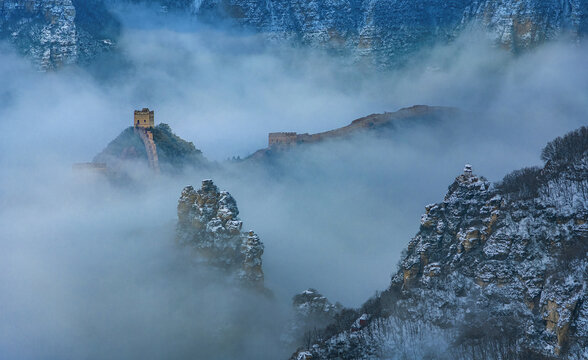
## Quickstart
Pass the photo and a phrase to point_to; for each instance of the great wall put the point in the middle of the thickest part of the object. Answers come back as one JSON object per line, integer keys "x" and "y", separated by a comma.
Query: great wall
{"x": 150, "y": 148}
{"x": 281, "y": 140}
{"x": 143, "y": 121}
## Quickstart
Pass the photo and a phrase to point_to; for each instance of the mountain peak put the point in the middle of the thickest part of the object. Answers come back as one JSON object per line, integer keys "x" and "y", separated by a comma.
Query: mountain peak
{"x": 208, "y": 223}
{"x": 491, "y": 266}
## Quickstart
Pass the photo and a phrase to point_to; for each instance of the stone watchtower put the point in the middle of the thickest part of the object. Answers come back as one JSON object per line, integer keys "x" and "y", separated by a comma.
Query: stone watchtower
{"x": 144, "y": 118}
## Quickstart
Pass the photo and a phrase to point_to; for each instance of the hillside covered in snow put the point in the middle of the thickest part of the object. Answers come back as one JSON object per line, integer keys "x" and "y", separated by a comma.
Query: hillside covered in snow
{"x": 497, "y": 271}
{"x": 376, "y": 32}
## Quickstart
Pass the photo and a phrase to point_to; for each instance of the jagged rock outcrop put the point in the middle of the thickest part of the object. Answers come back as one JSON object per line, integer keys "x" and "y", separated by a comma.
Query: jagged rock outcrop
{"x": 382, "y": 30}
{"x": 311, "y": 307}
{"x": 312, "y": 311}
{"x": 54, "y": 33}
{"x": 208, "y": 222}
{"x": 500, "y": 270}
{"x": 251, "y": 250}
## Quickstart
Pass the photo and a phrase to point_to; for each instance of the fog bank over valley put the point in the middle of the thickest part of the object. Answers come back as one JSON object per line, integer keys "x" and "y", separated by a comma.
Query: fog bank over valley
{"x": 90, "y": 269}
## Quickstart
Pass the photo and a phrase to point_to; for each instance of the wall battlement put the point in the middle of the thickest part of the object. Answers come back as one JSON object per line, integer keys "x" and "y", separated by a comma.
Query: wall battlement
{"x": 90, "y": 167}
{"x": 282, "y": 138}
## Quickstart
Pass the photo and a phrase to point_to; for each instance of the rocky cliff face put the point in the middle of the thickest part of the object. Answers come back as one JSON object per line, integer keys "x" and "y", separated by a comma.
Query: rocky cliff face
{"x": 496, "y": 270}
{"x": 381, "y": 30}
{"x": 312, "y": 311}
{"x": 58, "y": 32}
{"x": 208, "y": 222}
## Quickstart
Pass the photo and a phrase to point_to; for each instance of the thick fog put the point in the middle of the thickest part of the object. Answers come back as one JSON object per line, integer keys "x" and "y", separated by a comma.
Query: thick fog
{"x": 90, "y": 270}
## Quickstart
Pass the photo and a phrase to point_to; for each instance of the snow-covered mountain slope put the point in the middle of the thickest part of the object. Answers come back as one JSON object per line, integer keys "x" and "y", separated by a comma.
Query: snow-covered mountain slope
{"x": 383, "y": 31}
{"x": 312, "y": 310}
{"x": 58, "y": 32}
{"x": 497, "y": 270}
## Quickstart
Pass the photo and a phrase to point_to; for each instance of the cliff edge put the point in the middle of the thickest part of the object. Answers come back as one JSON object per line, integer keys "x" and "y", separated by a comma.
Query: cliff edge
{"x": 496, "y": 270}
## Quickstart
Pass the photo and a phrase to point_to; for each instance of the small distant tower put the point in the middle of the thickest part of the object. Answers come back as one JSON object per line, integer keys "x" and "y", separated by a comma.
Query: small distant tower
{"x": 144, "y": 118}
{"x": 467, "y": 170}
{"x": 282, "y": 138}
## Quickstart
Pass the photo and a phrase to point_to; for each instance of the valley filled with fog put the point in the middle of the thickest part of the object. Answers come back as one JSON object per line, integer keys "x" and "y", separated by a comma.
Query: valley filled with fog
{"x": 90, "y": 269}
